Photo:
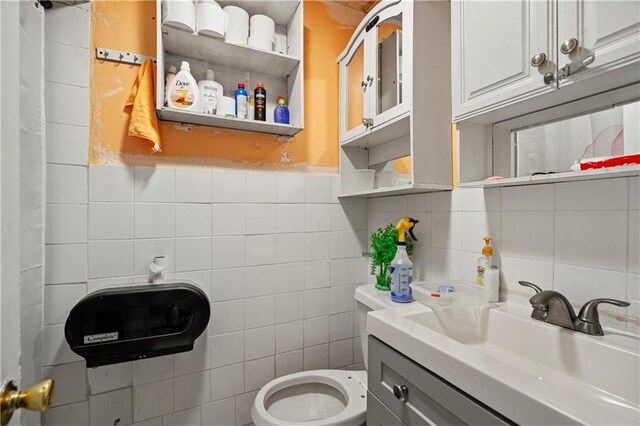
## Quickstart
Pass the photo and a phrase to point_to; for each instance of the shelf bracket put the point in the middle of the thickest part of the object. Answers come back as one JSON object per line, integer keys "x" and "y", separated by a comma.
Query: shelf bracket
{"x": 121, "y": 56}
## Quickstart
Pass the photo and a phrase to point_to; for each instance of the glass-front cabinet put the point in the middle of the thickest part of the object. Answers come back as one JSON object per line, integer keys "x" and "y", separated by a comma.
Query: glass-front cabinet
{"x": 353, "y": 91}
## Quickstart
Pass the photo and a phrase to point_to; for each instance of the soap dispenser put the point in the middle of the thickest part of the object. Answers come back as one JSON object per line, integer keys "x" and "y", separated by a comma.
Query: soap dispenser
{"x": 487, "y": 275}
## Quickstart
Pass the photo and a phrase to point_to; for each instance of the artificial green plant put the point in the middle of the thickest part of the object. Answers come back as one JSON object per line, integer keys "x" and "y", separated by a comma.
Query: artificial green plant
{"x": 384, "y": 242}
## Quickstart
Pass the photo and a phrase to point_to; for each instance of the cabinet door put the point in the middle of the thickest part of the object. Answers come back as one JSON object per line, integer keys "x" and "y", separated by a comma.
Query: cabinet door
{"x": 390, "y": 63}
{"x": 610, "y": 30}
{"x": 353, "y": 90}
{"x": 493, "y": 44}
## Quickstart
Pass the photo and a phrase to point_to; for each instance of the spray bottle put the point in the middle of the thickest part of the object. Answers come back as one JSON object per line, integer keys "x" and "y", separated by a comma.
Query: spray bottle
{"x": 401, "y": 266}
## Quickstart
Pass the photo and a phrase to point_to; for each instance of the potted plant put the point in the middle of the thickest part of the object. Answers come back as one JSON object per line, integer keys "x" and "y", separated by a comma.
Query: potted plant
{"x": 384, "y": 242}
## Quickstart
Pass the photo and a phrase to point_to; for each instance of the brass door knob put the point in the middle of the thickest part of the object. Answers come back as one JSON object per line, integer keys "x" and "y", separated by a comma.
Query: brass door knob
{"x": 36, "y": 398}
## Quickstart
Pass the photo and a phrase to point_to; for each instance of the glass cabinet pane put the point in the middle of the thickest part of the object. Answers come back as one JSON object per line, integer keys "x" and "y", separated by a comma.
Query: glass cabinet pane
{"x": 389, "y": 39}
{"x": 355, "y": 91}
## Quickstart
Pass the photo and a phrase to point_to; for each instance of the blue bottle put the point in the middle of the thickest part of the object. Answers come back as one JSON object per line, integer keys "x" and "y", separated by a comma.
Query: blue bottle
{"x": 281, "y": 113}
{"x": 242, "y": 102}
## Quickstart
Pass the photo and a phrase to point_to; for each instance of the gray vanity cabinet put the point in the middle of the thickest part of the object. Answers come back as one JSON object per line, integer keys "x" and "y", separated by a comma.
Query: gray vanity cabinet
{"x": 407, "y": 393}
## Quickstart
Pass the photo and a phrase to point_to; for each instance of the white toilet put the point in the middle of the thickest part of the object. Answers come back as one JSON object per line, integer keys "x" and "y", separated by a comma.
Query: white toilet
{"x": 321, "y": 397}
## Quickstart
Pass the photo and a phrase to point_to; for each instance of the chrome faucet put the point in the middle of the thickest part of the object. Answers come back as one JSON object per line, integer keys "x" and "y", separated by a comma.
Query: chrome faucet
{"x": 552, "y": 307}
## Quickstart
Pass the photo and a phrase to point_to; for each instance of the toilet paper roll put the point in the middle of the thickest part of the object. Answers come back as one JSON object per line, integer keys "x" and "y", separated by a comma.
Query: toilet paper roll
{"x": 260, "y": 43}
{"x": 262, "y": 29}
{"x": 237, "y": 25}
{"x": 179, "y": 14}
{"x": 226, "y": 107}
{"x": 210, "y": 19}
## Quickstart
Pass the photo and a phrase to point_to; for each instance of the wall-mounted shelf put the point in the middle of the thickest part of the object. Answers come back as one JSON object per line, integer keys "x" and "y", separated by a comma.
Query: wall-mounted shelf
{"x": 396, "y": 190}
{"x": 389, "y": 131}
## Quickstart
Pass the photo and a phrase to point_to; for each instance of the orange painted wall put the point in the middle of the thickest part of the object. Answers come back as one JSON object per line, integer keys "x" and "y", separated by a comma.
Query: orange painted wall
{"x": 131, "y": 26}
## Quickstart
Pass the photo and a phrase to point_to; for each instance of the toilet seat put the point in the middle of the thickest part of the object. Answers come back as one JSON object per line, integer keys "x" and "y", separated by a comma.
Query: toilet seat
{"x": 351, "y": 385}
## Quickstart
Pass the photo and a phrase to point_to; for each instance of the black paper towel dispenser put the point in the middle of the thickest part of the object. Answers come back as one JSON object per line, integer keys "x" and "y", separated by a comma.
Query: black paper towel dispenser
{"x": 129, "y": 323}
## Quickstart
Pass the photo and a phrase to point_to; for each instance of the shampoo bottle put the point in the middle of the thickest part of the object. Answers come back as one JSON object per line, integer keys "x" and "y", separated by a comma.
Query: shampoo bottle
{"x": 401, "y": 266}
{"x": 260, "y": 96}
{"x": 242, "y": 102}
{"x": 281, "y": 113}
{"x": 210, "y": 90}
{"x": 183, "y": 91}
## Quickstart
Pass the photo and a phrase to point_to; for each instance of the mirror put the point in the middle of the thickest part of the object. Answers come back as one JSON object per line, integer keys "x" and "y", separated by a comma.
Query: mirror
{"x": 354, "y": 100}
{"x": 389, "y": 63}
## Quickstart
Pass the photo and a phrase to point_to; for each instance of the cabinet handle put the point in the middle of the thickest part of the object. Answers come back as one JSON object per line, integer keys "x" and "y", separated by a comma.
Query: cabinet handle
{"x": 538, "y": 59}
{"x": 569, "y": 45}
{"x": 401, "y": 392}
{"x": 370, "y": 80}
{"x": 575, "y": 66}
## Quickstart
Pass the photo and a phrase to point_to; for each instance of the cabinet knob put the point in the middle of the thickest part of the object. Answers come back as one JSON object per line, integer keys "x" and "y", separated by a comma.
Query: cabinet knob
{"x": 548, "y": 78}
{"x": 569, "y": 45}
{"x": 369, "y": 79}
{"x": 538, "y": 59}
{"x": 363, "y": 83}
{"x": 401, "y": 392}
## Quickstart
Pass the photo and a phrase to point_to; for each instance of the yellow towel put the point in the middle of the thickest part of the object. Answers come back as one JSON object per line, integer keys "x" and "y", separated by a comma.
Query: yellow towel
{"x": 144, "y": 122}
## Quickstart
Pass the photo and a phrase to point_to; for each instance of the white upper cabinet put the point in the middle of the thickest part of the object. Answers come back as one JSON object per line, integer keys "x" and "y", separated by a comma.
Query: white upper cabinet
{"x": 354, "y": 84}
{"x": 501, "y": 51}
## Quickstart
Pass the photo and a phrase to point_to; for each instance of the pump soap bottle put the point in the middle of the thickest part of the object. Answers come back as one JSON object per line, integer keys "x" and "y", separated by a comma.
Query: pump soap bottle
{"x": 488, "y": 275}
{"x": 183, "y": 91}
{"x": 401, "y": 266}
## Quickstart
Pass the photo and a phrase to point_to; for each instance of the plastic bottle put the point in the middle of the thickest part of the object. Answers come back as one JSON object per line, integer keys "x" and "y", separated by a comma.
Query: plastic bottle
{"x": 210, "y": 90}
{"x": 260, "y": 96}
{"x": 183, "y": 90}
{"x": 281, "y": 113}
{"x": 488, "y": 275}
{"x": 401, "y": 266}
{"x": 242, "y": 101}
{"x": 168, "y": 79}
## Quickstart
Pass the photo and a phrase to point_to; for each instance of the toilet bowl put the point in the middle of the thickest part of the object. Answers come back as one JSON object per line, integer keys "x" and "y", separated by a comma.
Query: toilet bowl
{"x": 318, "y": 397}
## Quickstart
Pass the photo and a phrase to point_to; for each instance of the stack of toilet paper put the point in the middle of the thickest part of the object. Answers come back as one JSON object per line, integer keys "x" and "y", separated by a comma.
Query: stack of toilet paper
{"x": 263, "y": 32}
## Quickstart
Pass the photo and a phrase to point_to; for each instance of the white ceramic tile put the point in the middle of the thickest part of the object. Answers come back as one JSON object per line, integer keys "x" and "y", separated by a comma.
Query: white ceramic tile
{"x": 445, "y": 264}
{"x": 317, "y": 274}
{"x": 379, "y": 205}
{"x": 110, "y": 258}
{"x": 152, "y": 400}
{"x": 513, "y": 270}
{"x": 341, "y": 299}
{"x": 155, "y": 185}
{"x": 342, "y": 272}
{"x": 317, "y": 217}
{"x": 228, "y": 252}
{"x": 59, "y": 110}
{"x": 227, "y": 284}
{"x": 244, "y": 403}
{"x": 65, "y": 263}
{"x": 59, "y": 299}
{"x": 67, "y": 415}
{"x": 357, "y": 351}
{"x": 66, "y": 184}
{"x": 289, "y": 277}
{"x": 107, "y": 409}
{"x": 261, "y": 219}
{"x": 227, "y": 317}
{"x": 193, "y": 254}
{"x": 73, "y": 70}
{"x": 469, "y": 264}
{"x": 316, "y": 331}
{"x": 528, "y": 235}
{"x": 360, "y": 270}
{"x": 289, "y": 248}
{"x": 290, "y": 187}
{"x": 398, "y": 205}
{"x": 376, "y": 220}
{"x": 110, "y": 221}
{"x": 260, "y": 281}
{"x": 289, "y": 363}
{"x": 481, "y": 200}
{"x": 259, "y": 342}
{"x": 580, "y": 285}
{"x": 101, "y": 283}
{"x": 145, "y": 250}
{"x": 446, "y": 230}
{"x": 66, "y": 224}
{"x": 155, "y": 220}
{"x": 190, "y": 417}
{"x": 70, "y": 380}
{"x": 289, "y": 307}
{"x": 68, "y": 25}
{"x": 152, "y": 369}
{"x": 260, "y": 311}
{"x": 109, "y": 377}
{"x": 316, "y": 302}
{"x": 316, "y": 357}
{"x": 318, "y": 188}
{"x": 339, "y": 218}
{"x": 422, "y": 230}
{"x": 227, "y": 381}
{"x": 317, "y": 246}
{"x": 360, "y": 243}
{"x": 229, "y": 186}
{"x": 227, "y": 349}
{"x": 601, "y": 194}
{"x": 580, "y": 237}
{"x": 258, "y": 373}
{"x": 419, "y": 202}
{"x": 421, "y": 259}
{"x": 342, "y": 244}
{"x": 358, "y": 215}
{"x": 476, "y": 226}
{"x": 290, "y": 217}
{"x": 193, "y": 220}
{"x": 221, "y": 412}
{"x": 634, "y": 193}
{"x": 289, "y": 336}
{"x": 341, "y": 353}
{"x": 260, "y": 249}
{"x": 191, "y": 390}
{"x": 261, "y": 187}
{"x": 335, "y": 189}
{"x": 198, "y": 359}
{"x": 202, "y": 279}
{"x": 156, "y": 421}
{"x": 193, "y": 186}
{"x": 341, "y": 326}
{"x": 229, "y": 219}
{"x": 634, "y": 241}
{"x": 528, "y": 198}
{"x": 449, "y": 201}
{"x": 111, "y": 183}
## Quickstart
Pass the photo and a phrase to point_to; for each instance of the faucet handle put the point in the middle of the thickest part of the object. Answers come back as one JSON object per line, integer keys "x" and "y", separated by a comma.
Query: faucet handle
{"x": 532, "y": 285}
{"x": 589, "y": 312}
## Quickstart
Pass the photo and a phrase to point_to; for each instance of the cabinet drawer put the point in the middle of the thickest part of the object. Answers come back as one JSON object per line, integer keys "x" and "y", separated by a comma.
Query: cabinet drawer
{"x": 378, "y": 414}
{"x": 430, "y": 399}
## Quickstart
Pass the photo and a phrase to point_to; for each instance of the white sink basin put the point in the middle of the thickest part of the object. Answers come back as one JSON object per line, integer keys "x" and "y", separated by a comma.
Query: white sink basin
{"x": 532, "y": 372}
